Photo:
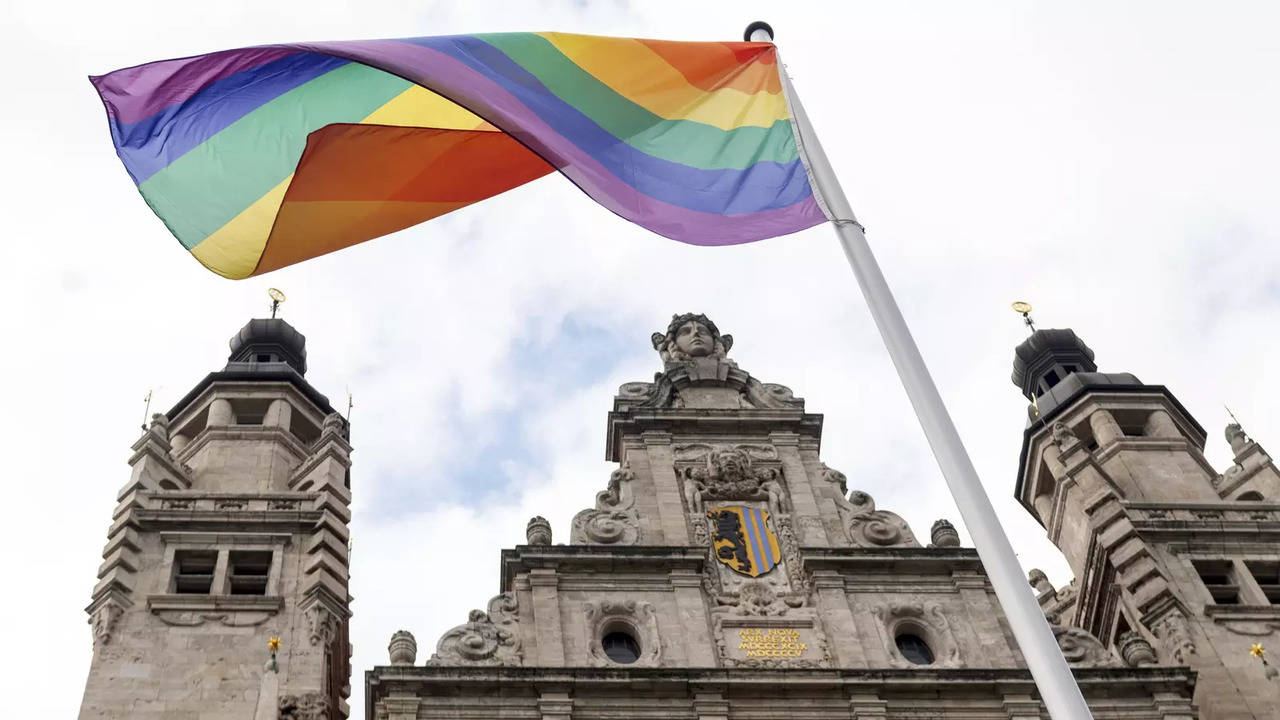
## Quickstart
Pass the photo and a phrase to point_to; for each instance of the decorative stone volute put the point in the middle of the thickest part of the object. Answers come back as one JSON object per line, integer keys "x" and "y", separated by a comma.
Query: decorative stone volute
{"x": 403, "y": 648}
{"x": 944, "y": 534}
{"x": 538, "y": 531}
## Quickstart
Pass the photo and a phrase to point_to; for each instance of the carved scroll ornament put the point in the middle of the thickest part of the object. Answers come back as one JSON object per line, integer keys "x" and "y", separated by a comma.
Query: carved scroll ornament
{"x": 490, "y": 638}
{"x": 614, "y": 520}
{"x": 868, "y": 527}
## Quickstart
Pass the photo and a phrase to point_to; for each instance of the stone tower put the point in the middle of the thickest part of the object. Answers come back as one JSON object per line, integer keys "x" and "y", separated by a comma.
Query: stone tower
{"x": 724, "y": 571}
{"x": 1166, "y": 550}
{"x": 231, "y": 530}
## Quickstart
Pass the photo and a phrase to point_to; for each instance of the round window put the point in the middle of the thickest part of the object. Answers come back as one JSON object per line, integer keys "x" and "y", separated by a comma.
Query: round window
{"x": 914, "y": 649}
{"x": 620, "y": 647}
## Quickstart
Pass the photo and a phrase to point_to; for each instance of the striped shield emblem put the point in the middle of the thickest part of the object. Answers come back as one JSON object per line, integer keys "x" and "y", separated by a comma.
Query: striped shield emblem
{"x": 743, "y": 540}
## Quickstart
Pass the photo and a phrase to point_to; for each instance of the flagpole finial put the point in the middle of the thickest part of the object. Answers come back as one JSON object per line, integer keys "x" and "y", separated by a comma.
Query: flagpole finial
{"x": 758, "y": 31}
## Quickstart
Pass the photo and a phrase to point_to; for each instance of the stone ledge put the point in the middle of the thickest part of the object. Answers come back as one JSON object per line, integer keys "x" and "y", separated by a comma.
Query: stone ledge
{"x": 215, "y": 603}
{"x": 1103, "y": 682}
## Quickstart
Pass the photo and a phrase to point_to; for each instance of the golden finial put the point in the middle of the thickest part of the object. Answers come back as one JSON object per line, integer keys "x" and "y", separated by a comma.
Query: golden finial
{"x": 1257, "y": 651}
{"x": 274, "y": 644}
{"x": 1024, "y": 308}
{"x": 277, "y": 297}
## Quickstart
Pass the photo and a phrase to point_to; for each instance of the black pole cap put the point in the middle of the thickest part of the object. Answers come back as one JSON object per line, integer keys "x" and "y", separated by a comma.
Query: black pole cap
{"x": 757, "y": 25}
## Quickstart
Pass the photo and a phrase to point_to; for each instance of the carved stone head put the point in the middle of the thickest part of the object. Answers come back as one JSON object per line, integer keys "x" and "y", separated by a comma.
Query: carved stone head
{"x": 691, "y": 336}
{"x": 729, "y": 465}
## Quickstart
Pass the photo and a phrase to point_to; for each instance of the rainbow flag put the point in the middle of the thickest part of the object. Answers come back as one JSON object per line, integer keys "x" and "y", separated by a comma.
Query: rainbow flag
{"x": 262, "y": 157}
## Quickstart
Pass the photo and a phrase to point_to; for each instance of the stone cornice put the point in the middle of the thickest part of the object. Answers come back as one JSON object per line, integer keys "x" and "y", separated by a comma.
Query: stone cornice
{"x": 963, "y": 682}
{"x": 703, "y": 421}
{"x": 896, "y": 560}
{"x": 1242, "y": 521}
{"x": 569, "y": 559}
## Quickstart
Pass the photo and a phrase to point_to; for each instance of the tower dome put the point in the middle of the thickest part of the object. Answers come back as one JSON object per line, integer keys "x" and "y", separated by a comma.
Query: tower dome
{"x": 1048, "y": 357}
{"x": 269, "y": 341}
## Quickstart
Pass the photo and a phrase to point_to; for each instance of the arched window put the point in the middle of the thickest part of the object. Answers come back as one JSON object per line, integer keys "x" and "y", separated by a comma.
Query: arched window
{"x": 914, "y": 649}
{"x": 1251, "y": 496}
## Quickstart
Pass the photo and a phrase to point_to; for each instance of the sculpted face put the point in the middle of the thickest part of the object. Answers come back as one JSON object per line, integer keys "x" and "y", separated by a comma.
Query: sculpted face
{"x": 730, "y": 465}
{"x": 694, "y": 339}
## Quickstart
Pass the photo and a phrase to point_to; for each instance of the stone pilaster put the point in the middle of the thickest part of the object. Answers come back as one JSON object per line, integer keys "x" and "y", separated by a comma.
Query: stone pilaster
{"x": 804, "y": 503}
{"x": 675, "y": 529}
{"x": 548, "y": 630}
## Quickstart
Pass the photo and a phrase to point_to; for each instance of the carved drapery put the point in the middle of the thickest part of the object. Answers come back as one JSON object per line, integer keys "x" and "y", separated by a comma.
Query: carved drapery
{"x": 490, "y": 638}
{"x": 614, "y": 520}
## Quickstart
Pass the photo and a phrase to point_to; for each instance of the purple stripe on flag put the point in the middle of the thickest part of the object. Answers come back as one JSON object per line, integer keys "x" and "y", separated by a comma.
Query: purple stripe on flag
{"x": 149, "y": 145}
{"x": 139, "y": 92}
{"x": 454, "y": 80}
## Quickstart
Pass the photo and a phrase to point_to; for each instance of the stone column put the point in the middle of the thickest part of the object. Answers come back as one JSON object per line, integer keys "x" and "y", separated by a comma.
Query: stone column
{"x": 1105, "y": 428}
{"x": 675, "y": 529}
{"x": 220, "y": 413}
{"x": 804, "y": 503}
{"x": 1160, "y": 425}
{"x": 546, "y": 616}
{"x": 698, "y": 644}
{"x": 279, "y": 414}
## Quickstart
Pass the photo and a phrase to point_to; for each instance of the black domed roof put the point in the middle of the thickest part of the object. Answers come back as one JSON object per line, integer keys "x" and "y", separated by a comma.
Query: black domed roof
{"x": 1053, "y": 353}
{"x": 270, "y": 341}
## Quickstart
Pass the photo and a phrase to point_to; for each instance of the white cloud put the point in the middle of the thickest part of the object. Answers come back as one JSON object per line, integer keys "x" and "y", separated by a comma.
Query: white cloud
{"x": 1113, "y": 165}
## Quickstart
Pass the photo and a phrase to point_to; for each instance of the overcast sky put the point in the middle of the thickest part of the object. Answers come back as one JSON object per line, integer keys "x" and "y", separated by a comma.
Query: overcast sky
{"x": 1113, "y": 163}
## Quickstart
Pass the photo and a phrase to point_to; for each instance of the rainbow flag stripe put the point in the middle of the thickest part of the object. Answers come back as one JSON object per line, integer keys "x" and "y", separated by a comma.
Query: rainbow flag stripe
{"x": 262, "y": 157}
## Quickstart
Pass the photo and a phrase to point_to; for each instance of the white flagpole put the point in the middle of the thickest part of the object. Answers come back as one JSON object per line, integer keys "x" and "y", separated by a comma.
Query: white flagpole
{"x": 1044, "y": 658}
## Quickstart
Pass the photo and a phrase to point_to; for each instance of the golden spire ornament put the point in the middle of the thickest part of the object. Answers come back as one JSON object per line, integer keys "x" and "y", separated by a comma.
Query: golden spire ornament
{"x": 1257, "y": 651}
{"x": 273, "y": 645}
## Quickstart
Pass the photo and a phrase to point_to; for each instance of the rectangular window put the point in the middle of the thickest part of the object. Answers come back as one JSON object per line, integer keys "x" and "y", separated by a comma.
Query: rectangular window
{"x": 1219, "y": 579}
{"x": 1267, "y": 573}
{"x": 247, "y": 572}
{"x": 193, "y": 571}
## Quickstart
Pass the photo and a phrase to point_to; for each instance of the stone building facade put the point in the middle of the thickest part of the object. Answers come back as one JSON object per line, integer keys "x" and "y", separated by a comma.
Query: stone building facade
{"x": 231, "y": 531}
{"x": 722, "y": 571}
